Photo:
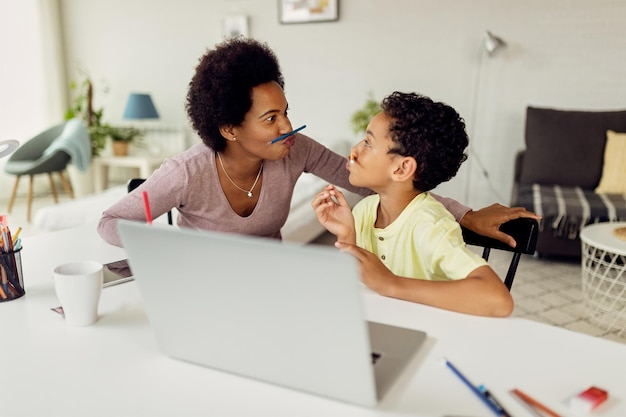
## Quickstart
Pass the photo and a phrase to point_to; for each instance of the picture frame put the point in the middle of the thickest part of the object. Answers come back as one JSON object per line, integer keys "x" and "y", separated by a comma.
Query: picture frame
{"x": 233, "y": 26}
{"x": 308, "y": 11}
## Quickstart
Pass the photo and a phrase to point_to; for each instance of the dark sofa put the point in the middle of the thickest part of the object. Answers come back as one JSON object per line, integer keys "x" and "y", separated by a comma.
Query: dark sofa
{"x": 557, "y": 173}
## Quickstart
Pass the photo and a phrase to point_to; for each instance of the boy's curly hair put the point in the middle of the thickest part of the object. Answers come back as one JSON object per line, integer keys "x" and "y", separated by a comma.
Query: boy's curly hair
{"x": 220, "y": 91}
{"x": 431, "y": 132}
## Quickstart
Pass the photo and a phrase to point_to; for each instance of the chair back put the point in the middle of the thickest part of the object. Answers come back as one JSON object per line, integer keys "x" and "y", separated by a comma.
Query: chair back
{"x": 523, "y": 230}
{"x": 34, "y": 148}
{"x": 136, "y": 182}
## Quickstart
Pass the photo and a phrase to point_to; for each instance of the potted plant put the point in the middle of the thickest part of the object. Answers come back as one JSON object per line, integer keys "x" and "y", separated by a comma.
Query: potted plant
{"x": 121, "y": 137}
{"x": 83, "y": 183}
{"x": 82, "y": 106}
{"x": 361, "y": 118}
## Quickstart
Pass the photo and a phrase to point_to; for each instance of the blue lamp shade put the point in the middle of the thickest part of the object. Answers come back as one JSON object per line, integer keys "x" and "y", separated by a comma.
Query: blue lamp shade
{"x": 140, "y": 106}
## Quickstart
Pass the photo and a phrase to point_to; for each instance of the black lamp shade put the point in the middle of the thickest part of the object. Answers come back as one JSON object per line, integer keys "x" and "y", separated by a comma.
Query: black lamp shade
{"x": 140, "y": 106}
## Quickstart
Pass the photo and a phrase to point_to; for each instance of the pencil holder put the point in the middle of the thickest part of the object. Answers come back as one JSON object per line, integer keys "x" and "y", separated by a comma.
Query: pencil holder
{"x": 11, "y": 279}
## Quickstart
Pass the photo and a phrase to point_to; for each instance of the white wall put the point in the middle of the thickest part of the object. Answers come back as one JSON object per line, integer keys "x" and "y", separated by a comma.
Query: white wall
{"x": 561, "y": 53}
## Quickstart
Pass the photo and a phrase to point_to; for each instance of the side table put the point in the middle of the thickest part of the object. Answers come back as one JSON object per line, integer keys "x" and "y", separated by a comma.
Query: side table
{"x": 604, "y": 275}
{"x": 145, "y": 164}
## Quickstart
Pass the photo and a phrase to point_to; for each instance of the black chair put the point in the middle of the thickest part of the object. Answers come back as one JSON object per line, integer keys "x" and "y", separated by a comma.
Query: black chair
{"x": 136, "y": 182}
{"x": 524, "y": 231}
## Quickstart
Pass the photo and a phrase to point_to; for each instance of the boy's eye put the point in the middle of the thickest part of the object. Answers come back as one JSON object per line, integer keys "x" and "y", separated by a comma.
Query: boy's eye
{"x": 271, "y": 118}
{"x": 366, "y": 142}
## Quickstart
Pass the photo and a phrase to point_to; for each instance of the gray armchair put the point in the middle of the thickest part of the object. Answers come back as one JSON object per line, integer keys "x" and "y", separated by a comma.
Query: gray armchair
{"x": 43, "y": 155}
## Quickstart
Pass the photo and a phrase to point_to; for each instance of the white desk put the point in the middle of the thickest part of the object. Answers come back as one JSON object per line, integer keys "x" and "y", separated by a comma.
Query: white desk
{"x": 114, "y": 368}
{"x": 145, "y": 164}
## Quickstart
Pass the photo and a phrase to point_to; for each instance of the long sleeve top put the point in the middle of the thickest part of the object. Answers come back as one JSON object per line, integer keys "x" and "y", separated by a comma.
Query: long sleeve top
{"x": 189, "y": 182}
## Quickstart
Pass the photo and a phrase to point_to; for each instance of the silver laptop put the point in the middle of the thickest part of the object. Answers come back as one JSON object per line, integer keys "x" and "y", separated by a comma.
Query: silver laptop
{"x": 278, "y": 312}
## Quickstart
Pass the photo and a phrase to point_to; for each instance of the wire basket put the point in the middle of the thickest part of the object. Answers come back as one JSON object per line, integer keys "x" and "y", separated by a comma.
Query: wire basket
{"x": 604, "y": 287}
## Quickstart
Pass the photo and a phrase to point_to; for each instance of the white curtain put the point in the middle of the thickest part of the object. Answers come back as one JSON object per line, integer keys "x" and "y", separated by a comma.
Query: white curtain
{"x": 33, "y": 88}
{"x": 53, "y": 56}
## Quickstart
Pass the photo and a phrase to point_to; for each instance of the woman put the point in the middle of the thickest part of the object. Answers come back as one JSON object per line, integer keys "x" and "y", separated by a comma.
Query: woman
{"x": 237, "y": 180}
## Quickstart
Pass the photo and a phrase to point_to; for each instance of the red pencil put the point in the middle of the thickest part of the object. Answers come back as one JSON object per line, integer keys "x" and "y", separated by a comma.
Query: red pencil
{"x": 146, "y": 204}
{"x": 534, "y": 403}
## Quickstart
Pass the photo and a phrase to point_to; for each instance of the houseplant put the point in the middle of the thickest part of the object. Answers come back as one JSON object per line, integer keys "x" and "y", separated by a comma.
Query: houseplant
{"x": 361, "y": 118}
{"x": 83, "y": 183}
{"x": 82, "y": 106}
{"x": 121, "y": 137}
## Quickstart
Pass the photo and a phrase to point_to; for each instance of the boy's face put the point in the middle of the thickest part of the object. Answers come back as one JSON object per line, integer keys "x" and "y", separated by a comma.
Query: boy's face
{"x": 371, "y": 163}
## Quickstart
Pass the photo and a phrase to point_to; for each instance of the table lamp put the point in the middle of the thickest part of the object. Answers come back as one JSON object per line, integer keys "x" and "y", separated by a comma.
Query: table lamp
{"x": 7, "y": 147}
{"x": 140, "y": 106}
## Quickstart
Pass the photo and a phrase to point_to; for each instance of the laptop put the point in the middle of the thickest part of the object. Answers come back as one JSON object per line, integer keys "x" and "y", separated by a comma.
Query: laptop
{"x": 287, "y": 314}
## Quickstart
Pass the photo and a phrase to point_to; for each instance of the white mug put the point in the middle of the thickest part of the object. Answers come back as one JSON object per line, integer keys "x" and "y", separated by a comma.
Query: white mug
{"x": 78, "y": 286}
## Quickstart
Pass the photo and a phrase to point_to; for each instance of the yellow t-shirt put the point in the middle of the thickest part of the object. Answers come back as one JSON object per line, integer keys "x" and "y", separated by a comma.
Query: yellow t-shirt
{"x": 424, "y": 242}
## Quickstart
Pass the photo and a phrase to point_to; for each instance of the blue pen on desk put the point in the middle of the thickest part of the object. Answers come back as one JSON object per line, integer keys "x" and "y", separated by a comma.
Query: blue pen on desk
{"x": 286, "y": 135}
{"x": 493, "y": 407}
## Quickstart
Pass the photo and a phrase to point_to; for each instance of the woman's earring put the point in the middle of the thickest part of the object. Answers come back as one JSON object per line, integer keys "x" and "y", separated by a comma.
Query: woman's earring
{"x": 234, "y": 139}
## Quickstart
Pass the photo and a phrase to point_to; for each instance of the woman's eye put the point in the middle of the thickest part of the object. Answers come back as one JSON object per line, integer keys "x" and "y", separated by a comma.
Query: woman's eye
{"x": 271, "y": 118}
{"x": 366, "y": 142}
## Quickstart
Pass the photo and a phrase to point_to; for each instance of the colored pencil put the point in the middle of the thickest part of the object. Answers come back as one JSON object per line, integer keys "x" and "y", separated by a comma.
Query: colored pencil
{"x": 534, "y": 403}
{"x": 146, "y": 205}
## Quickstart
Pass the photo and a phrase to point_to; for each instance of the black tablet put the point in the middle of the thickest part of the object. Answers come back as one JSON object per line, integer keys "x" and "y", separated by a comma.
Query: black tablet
{"x": 116, "y": 272}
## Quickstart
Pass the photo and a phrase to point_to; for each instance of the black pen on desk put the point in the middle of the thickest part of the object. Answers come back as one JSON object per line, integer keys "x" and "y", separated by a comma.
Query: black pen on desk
{"x": 493, "y": 400}
{"x": 493, "y": 407}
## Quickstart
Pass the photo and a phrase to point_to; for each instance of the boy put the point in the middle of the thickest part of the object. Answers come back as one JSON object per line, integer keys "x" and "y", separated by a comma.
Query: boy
{"x": 408, "y": 245}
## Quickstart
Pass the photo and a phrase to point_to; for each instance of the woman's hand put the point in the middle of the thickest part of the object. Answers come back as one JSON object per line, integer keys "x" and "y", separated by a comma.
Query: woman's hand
{"x": 334, "y": 213}
{"x": 487, "y": 221}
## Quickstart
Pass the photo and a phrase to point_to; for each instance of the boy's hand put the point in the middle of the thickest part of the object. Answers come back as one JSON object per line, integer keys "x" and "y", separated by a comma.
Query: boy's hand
{"x": 334, "y": 213}
{"x": 374, "y": 274}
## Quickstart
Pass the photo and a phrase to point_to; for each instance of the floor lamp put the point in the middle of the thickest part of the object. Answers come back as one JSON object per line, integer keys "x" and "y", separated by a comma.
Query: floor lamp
{"x": 489, "y": 46}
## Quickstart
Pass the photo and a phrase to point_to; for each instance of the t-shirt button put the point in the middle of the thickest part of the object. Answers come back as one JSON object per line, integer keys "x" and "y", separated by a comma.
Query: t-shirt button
{"x": 383, "y": 257}
{"x": 381, "y": 238}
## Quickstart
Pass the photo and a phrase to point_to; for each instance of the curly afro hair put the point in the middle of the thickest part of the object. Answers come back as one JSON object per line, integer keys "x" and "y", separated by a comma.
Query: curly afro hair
{"x": 220, "y": 92}
{"x": 433, "y": 133}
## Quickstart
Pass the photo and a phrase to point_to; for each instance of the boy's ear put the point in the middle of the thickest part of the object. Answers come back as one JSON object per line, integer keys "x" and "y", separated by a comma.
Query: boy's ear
{"x": 405, "y": 169}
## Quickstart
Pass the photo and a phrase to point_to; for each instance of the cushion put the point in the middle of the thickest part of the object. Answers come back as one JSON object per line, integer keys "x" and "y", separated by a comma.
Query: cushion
{"x": 566, "y": 210}
{"x": 566, "y": 147}
{"x": 613, "y": 179}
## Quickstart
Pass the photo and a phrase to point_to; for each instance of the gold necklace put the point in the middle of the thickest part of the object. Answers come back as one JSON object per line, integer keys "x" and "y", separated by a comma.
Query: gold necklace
{"x": 249, "y": 192}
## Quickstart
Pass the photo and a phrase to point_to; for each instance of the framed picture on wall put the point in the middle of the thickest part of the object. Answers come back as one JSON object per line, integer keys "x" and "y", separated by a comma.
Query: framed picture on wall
{"x": 233, "y": 26}
{"x": 307, "y": 11}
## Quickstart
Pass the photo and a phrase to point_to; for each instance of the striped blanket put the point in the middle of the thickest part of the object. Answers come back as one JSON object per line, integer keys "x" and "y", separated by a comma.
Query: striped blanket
{"x": 565, "y": 210}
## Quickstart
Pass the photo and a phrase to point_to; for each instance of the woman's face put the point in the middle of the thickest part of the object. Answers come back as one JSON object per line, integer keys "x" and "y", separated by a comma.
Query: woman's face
{"x": 266, "y": 120}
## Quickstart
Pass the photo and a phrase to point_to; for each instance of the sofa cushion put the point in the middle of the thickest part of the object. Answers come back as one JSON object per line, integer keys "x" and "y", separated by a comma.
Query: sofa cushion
{"x": 613, "y": 179}
{"x": 566, "y": 147}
